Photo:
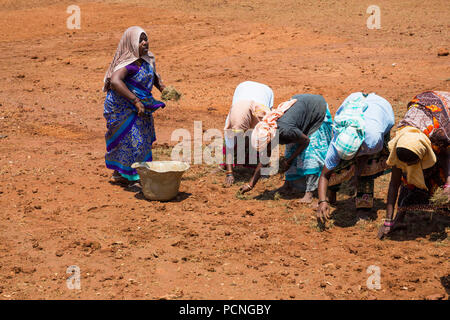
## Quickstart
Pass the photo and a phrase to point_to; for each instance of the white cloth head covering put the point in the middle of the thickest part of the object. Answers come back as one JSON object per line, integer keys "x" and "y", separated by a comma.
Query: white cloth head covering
{"x": 266, "y": 129}
{"x": 127, "y": 52}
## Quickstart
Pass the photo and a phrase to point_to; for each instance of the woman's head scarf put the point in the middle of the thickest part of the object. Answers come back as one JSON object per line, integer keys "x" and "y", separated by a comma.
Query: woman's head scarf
{"x": 348, "y": 126}
{"x": 266, "y": 129}
{"x": 127, "y": 52}
{"x": 416, "y": 141}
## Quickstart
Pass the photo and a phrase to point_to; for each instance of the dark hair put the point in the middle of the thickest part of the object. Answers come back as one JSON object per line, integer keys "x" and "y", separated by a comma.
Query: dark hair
{"x": 406, "y": 155}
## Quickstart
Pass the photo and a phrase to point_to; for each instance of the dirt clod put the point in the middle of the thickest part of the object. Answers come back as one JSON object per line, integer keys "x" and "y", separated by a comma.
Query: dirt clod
{"x": 442, "y": 52}
{"x": 436, "y": 296}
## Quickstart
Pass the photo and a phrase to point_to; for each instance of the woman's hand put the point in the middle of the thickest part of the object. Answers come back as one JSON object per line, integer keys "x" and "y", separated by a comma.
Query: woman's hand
{"x": 447, "y": 191}
{"x": 140, "y": 108}
{"x": 246, "y": 188}
{"x": 383, "y": 231}
{"x": 323, "y": 211}
{"x": 229, "y": 180}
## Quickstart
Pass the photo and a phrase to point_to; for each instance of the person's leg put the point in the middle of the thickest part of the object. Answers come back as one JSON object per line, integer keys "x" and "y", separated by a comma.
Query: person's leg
{"x": 291, "y": 176}
{"x": 364, "y": 197}
{"x": 312, "y": 182}
{"x": 125, "y": 180}
{"x": 117, "y": 178}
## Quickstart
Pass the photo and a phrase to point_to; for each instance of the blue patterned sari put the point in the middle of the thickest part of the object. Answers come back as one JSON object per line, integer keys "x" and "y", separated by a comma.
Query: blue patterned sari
{"x": 312, "y": 159}
{"x": 129, "y": 138}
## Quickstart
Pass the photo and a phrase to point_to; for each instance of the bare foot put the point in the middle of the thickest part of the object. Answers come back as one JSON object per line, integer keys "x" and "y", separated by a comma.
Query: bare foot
{"x": 116, "y": 178}
{"x": 385, "y": 231}
{"x": 307, "y": 198}
{"x": 134, "y": 186}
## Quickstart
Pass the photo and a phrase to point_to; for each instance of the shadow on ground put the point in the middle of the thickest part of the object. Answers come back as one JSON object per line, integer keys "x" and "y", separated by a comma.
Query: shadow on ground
{"x": 420, "y": 224}
{"x": 179, "y": 198}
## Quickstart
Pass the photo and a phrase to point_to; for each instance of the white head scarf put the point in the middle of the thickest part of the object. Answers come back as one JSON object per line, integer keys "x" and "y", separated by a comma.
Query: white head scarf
{"x": 127, "y": 52}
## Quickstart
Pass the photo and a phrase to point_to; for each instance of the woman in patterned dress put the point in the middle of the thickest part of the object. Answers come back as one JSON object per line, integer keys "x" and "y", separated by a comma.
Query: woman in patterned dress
{"x": 419, "y": 156}
{"x": 129, "y": 105}
{"x": 357, "y": 151}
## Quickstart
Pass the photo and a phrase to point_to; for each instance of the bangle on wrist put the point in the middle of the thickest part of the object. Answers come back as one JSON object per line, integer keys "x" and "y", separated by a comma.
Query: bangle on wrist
{"x": 230, "y": 174}
{"x": 136, "y": 99}
{"x": 388, "y": 222}
{"x": 320, "y": 201}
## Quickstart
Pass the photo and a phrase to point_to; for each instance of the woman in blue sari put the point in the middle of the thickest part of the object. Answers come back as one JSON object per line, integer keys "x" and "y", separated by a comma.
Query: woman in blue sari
{"x": 129, "y": 105}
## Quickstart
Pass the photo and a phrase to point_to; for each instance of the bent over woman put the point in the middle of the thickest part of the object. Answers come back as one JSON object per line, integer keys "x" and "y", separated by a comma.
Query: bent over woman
{"x": 295, "y": 121}
{"x": 419, "y": 156}
{"x": 251, "y": 102}
{"x": 358, "y": 150}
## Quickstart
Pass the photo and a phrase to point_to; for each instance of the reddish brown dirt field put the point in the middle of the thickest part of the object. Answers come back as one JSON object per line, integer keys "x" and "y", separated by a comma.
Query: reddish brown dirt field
{"x": 58, "y": 208}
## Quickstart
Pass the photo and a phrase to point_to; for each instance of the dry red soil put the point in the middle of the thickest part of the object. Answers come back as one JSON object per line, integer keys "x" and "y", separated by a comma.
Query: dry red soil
{"x": 58, "y": 208}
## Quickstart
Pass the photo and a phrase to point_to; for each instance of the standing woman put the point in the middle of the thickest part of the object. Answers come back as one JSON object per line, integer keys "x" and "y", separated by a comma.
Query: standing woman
{"x": 419, "y": 156}
{"x": 357, "y": 151}
{"x": 129, "y": 105}
{"x": 296, "y": 121}
{"x": 251, "y": 102}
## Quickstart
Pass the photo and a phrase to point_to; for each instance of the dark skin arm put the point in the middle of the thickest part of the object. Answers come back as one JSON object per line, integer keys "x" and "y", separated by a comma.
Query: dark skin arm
{"x": 159, "y": 84}
{"x": 120, "y": 87}
{"x": 303, "y": 143}
{"x": 256, "y": 175}
{"x": 394, "y": 185}
{"x": 254, "y": 179}
{"x": 229, "y": 180}
{"x": 323, "y": 212}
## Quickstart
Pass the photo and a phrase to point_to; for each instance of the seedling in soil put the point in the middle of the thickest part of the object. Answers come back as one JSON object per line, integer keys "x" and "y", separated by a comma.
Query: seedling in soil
{"x": 241, "y": 196}
{"x": 194, "y": 176}
{"x": 297, "y": 219}
{"x": 361, "y": 224}
{"x": 315, "y": 226}
{"x": 440, "y": 244}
